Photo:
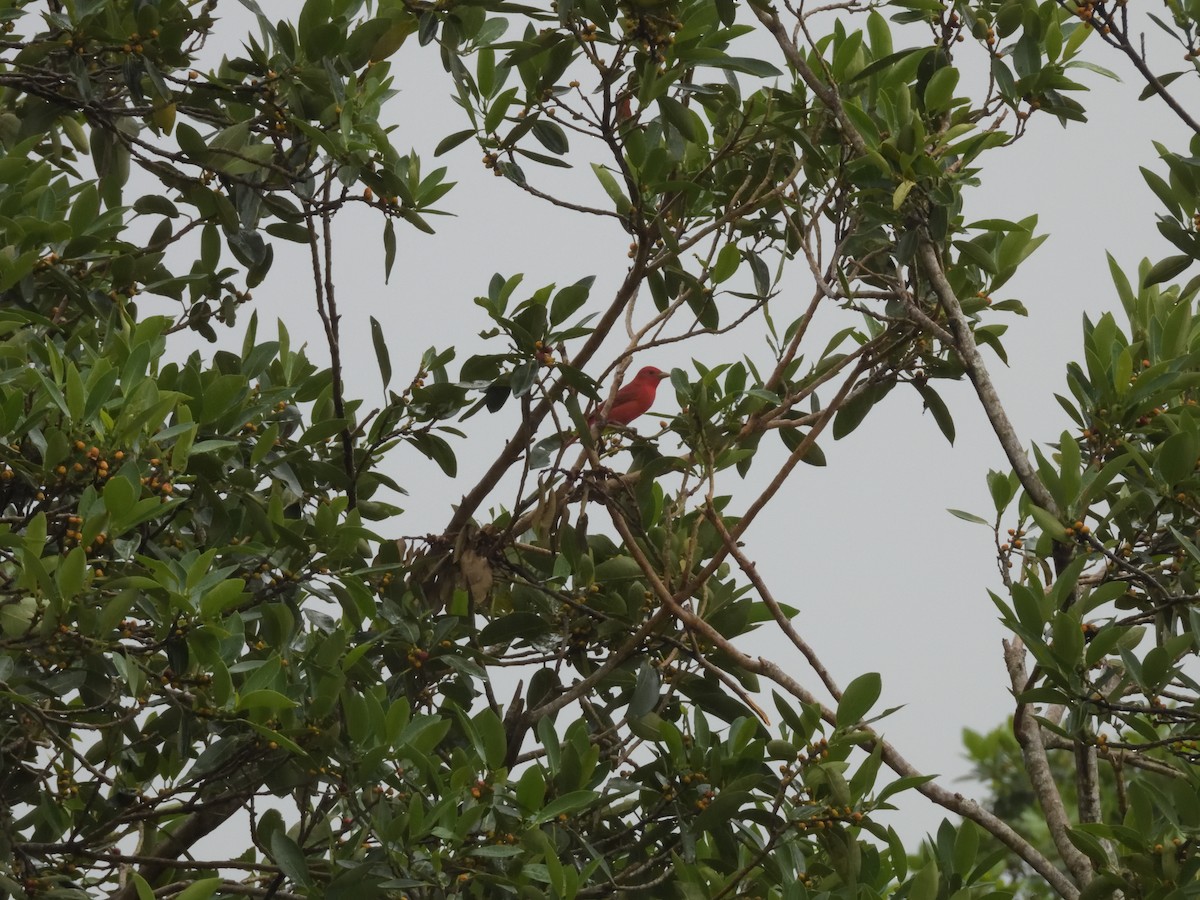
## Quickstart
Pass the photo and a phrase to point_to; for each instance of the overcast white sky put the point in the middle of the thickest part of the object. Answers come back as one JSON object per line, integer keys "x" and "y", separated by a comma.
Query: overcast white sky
{"x": 885, "y": 579}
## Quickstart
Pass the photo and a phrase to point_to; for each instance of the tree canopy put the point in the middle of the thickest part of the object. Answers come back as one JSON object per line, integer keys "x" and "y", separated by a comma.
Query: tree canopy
{"x": 222, "y": 673}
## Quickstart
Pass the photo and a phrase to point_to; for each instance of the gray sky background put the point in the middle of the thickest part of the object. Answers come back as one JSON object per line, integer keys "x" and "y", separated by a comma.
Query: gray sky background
{"x": 885, "y": 579}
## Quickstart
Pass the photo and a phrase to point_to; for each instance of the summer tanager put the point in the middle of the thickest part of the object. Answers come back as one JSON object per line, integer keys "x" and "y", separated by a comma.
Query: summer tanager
{"x": 633, "y": 399}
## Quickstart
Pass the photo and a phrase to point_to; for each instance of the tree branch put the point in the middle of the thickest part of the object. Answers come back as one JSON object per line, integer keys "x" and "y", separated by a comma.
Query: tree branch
{"x": 968, "y": 354}
{"x": 193, "y": 828}
{"x": 1029, "y": 735}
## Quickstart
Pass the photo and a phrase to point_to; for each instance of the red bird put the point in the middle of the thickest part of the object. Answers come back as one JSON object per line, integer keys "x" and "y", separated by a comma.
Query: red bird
{"x": 633, "y": 399}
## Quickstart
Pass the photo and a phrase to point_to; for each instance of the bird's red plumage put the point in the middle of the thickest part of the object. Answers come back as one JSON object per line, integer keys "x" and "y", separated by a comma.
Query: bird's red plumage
{"x": 633, "y": 399}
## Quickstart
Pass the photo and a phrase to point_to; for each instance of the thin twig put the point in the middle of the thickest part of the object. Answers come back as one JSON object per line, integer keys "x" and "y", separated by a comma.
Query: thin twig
{"x": 327, "y": 310}
{"x": 764, "y": 593}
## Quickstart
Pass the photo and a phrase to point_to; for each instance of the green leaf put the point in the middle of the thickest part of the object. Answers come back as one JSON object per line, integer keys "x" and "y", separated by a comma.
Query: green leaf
{"x": 1104, "y": 885}
{"x": 190, "y": 142}
{"x": 1001, "y": 487}
{"x": 76, "y": 394}
{"x": 908, "y": 782}
{"x": 1091, "y": 847}
{"x": 940, "y": 89}
{"x": 1067, "y": 639}
{"x": 215, "y": 601}
{"x": 858, "y": 698}
{"x": 646, "y": 692}
{"x": 1092, "y": 67}
{"x": 938, "y": 409}
{"x": 678, "y": 115}
{"x": 1175, "y": 458}
{"x": 851, "y": 415}
{"x": 449, "y": 142}
{"x": 265, "y": 699}
{"x": 972, "y": 252}
{"x": 762, "y": 275}
{"x": 497, "y": 110}
{"x": 505, "y": 629}
{"x": 1028, "y": 608}
{"x": 184, "y": 444}
{"x": 726, "y": 264}
{"x": 16, "y": 618}
{"x": 925, "y": 883}
{"x": 531, "y": 789}
{"x": 759, "y": 68}
{"x": 438, "y": 450}
{"x": 313, "y": 16}
{"x": 966, "y": 847}
{"x": 491, "y": 734}
{"x": 154, "y": 204}
{"x": 200, "y": 890}
{"x": 609, "y": 183}
{"x": 1049, "y": 525}
{"x": 887, "y": 62}
{"x": 71, "y": 573}
{"x": 969, "y": 517}
{"x": 880, "y": 34}
{"x": 565, "y": 805}
{"x": 568, "y": 300}
{"x": 381, "y": 351}
{"x": 392, "y": 39}
{"x": 1070, "y": 463}
{"x": 389, "y": 248}
{"x": 551, "y": 136}
{"x": 144, "y": 891}
{"x": 1163, "y": 191}
{"x": 1166, "y": 269}
{"x": 289, "y": 857}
